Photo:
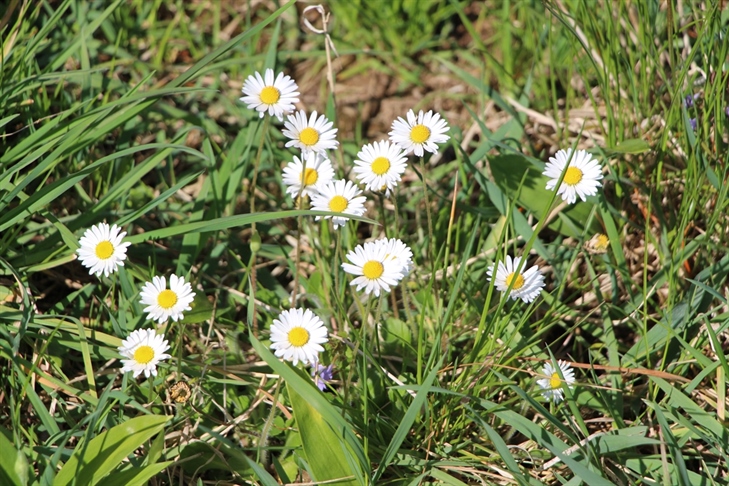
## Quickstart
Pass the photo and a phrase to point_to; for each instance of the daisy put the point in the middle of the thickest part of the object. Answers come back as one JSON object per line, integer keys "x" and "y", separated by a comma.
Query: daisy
{"x": 322, "y": 375}
{"x": 375, "y": 267}
{"x": 399, "y": 252}
{"x": 339, "y": 197}
{"x": 525, "y": 285}
{"x": 314, "y": 135}
{"x": 298, "y": 335}
{"x": 552, "y": 384}
{"x": 419, "y": 133}
{"x": 580, "y": 179}
{"x": 102, "y": 250}
{"x": 379, "y": 166}
{"x": 163, "y": 303}
{"x": 144, "y": 348}
{"x": 318, "y": 171}
{"x": 278, "y": 97}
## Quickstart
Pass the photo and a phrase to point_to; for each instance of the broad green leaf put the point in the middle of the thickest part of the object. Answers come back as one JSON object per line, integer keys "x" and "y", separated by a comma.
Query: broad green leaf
{"x": 446, "y": 478}
{"x": 632, "y": 146}
{"x": 521, "y": 225}
{"x": 397, "y": 332}
{"x": 306, "y": 389}
{"x": 202, "y": 310}
{"x": 13, "y": 464}
{"x": 651, "y": 469}
{"x": 323, "y": 449}
{"x": 622, "y": 439}
{"x": 8, "y": 119}
{"x": 407, "y": 421}
{"x": 260, "y": 471}
{"x": 135, "y": 476}
{"x": 530, "y": 192}
{"x": 92, "y": 461}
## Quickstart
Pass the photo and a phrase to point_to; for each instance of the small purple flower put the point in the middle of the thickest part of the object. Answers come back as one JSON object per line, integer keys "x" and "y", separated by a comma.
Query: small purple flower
{"x": 322, "y": 375}
{"x": 692, "y": 121}
{"x": 688, "y": 101}
{"x": 726, "y": 111}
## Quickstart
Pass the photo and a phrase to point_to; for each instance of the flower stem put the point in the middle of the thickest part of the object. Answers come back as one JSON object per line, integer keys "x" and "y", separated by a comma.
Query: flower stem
{"x": 431, "y": 249}
{"x": 255, "y": 238}
{"x": 262, "y": 453}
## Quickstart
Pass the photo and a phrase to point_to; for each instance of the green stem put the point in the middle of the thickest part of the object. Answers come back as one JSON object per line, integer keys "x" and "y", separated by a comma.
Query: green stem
{"x": 255, "y": 238}
{"x": 431, "y": 240}
{"x": 431, "y": 255}
{"x": 299, "y": 202}
{"x": 481, "y": 334}
{"x": 261, "y": 453}
{"x": 365, "y": 387}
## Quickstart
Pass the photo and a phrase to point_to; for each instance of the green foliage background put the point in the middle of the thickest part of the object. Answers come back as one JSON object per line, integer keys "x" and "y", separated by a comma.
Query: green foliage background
{"x": 128, "y": 112}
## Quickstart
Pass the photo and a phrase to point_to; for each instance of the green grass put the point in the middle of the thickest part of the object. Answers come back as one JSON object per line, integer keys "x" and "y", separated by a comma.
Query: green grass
{"x": 128, "y": 112}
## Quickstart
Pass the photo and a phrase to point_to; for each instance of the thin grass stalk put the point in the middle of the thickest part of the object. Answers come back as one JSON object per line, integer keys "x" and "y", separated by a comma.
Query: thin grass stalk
{"x": 430, "y": 255}
{"x": 363, "y": 377}
{"x": 431, "y": 242}
{"x": 504, "y": 298}
{"x": 299, "y": 225}
{"x": 255, "y": 237}
{"x": 403, "y": 282}
{"x": 261, "y": 452}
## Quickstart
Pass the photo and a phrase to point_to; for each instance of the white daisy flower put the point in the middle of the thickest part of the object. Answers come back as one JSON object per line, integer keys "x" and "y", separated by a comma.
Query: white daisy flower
{"x": 526, "y": 284}
{"x": 102, "y": 250}
{"x": 398, "y": 251}
{"x": 266, "y": 94}
{"x": 380, "y": 165}
{"x": 376, "y": 268}
{"x": 552, "y": 385}
{"x": 340, "y": 197}
{"x": 144, "y": 348}
{"x": 419, "y": 133}
{"x": 163, "y": 303}
{"x": 580, "y": 179}
{"x": 313, "y": 135}
{"x": 298, "y": 335}
{"x": 318, "y": 171}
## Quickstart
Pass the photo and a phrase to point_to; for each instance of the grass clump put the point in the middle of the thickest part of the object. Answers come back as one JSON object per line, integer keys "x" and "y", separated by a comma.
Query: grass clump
{"x": 427, "y": 306}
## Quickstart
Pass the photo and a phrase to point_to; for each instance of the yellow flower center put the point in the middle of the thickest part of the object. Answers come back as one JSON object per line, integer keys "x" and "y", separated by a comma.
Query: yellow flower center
{"x": 380, "y": 165}
{"x": 573, "y": 176}
{"x": 167, "y": 299}
{"x": 309, "y": 177}
{"x": 338, "y": 203}
{"x": 373, "y": 269}
{"x": 308, "y": 136}
{"x": 602, "y": 242}
{"x": 144, "y": 354}
{"x": 270, "y": 95}
{"x": 298, "y": 336}
{"x": 419, "y": 133}
{"x": 104, "y": 250}
{"x": 555, "y": 381}
{"x": 517, "y": 279}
